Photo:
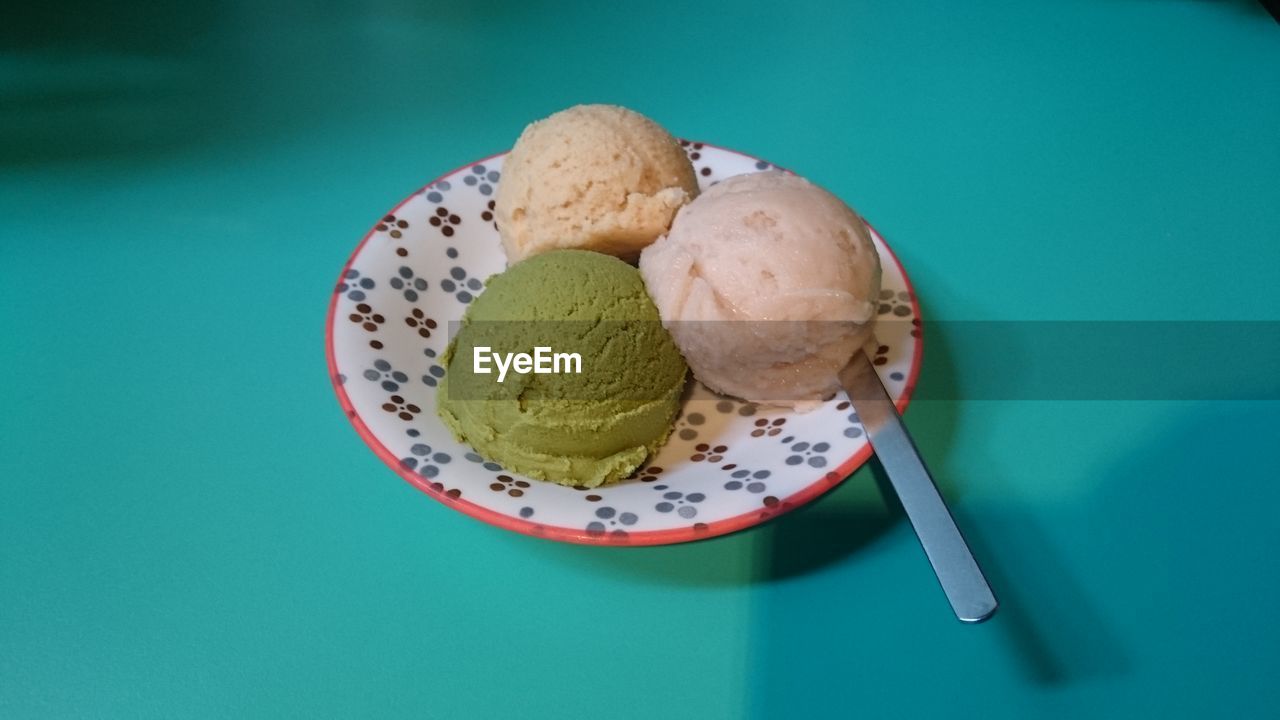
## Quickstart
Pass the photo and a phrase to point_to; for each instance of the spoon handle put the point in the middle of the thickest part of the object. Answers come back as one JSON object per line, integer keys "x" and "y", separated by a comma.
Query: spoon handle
{"x": 961, "y": 578}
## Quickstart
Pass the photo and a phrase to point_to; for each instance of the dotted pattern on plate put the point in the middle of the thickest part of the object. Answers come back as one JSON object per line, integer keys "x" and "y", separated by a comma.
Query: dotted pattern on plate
{"x": 428, "y": 258}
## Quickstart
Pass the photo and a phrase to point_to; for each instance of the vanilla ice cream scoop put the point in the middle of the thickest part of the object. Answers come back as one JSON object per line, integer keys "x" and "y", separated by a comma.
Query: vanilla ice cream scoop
{"x": 767, "y": 283}
{"x": 593, "y": 177}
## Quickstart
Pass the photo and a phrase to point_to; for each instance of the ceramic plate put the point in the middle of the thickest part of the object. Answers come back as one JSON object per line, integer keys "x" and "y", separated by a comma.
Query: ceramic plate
{"x": 728, "y": 465}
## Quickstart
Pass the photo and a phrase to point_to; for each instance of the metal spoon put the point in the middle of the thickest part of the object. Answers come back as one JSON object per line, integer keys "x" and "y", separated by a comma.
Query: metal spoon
{"x": 961, "y": 578}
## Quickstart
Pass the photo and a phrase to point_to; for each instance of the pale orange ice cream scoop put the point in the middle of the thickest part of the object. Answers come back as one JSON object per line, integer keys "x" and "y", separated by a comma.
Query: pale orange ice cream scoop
{"x": 768, "y": 284}
{"x": 593, "y": 177}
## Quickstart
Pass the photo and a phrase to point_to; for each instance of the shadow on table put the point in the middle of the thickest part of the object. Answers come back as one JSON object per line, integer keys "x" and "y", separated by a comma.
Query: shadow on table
{"x": 82, "y": 80}
{"x": 1054, "y": 630}
{"x": 814, "y": 636}
{"x": 1138, "y": 544}
{"x": 1055, "y": 634}
{"x": 1245, "y": 7}
{"x": 88, "y": 80}
{"x": 1141, "y": 541}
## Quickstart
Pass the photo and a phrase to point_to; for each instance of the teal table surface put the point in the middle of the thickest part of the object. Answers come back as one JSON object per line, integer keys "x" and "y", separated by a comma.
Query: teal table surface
{"x": 189, "y": 527}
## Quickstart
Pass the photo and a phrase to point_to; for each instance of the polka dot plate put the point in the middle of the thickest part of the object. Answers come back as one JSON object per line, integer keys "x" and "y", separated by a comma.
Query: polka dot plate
{"x": 728, "y": 465}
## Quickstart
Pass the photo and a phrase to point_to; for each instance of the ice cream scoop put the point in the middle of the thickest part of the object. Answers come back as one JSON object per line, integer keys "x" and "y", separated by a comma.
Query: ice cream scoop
{"x": 586, "y": 427}
{"x": 592, "y": 177}
{"x": 767, "y": 282}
